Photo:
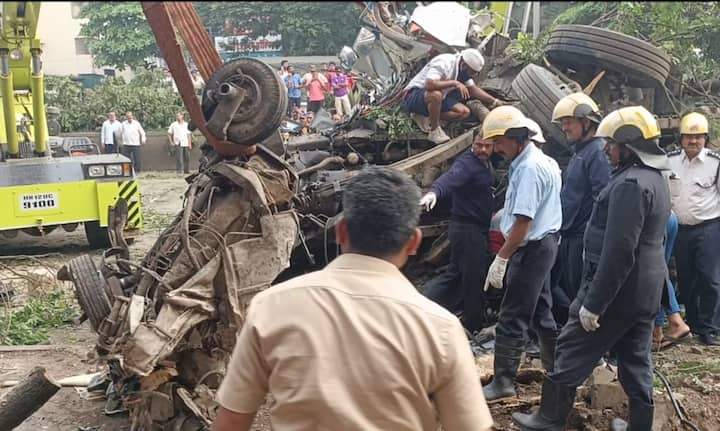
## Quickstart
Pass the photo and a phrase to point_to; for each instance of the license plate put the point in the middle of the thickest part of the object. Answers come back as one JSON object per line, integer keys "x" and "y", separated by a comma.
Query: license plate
{"x": 39, "y": 201}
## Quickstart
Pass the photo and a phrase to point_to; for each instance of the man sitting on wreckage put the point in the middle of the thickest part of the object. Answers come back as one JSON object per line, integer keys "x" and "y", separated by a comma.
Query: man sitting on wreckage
{"x": 355, "y": 346}
{"x": 440, "y": 88}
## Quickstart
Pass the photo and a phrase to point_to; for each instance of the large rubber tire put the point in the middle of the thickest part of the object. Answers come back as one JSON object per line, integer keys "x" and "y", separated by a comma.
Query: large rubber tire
{"x": 643, "y": 64}
{"x": 97, "y": 236}
{"x": 90, "y": 289}
{"x": 539, "y": 90}
{"x": 265, "y": 103}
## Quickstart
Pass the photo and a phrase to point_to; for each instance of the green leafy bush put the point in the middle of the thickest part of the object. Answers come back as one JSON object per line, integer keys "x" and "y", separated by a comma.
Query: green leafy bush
{"x": 30, "y": 324}
{"x": 148, "y": 96}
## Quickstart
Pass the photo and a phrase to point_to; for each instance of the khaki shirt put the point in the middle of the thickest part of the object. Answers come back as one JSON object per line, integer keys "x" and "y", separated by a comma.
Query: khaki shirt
{"x": 354, "y": 347}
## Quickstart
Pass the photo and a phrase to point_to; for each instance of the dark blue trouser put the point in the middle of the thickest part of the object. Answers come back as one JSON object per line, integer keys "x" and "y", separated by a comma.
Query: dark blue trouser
{"x": 698, "y": 267}
{"x": 527, "y": 297}
{"x": 566, "y": 276}
{"x": 578, "y": 351}
{"x": 462, "y": 284}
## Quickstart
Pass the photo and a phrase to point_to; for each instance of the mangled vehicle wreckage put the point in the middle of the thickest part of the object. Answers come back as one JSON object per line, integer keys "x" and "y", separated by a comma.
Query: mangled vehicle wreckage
{"x": 252, "y": 217}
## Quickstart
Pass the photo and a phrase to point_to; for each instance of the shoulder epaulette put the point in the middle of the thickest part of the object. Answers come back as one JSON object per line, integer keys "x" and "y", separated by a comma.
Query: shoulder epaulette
{"x": 713, "y": 154}
{"x": 674, "y": 153}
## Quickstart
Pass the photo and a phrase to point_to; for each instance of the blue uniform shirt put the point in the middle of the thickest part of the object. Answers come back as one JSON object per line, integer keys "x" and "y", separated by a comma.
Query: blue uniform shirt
{"x": 587, "y": 173}
{"x": 533, "y": 191}
{"x": 469, "y": 182}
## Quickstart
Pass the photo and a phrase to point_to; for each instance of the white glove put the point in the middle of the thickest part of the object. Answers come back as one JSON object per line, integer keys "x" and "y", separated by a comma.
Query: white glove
{"x": 429, "y": 201}
{"x": 588, "y": 320}
{"x": 496, "y": 273}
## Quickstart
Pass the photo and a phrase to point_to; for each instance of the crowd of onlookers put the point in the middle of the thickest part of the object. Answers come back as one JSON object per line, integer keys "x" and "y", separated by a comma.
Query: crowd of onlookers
{"x": 329, "y": 88}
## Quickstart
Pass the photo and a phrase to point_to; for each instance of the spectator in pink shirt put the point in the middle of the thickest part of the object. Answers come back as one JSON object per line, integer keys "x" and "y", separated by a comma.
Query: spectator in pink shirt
{"x": 315, "y": 83}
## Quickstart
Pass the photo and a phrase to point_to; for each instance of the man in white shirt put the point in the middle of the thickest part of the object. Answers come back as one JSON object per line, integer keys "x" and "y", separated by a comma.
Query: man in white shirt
{"x": 179, "y": 136}
{"x": 133, "y": 138}
{"x": 440, "y": 88}
{"x": 198, "y": 82}
{"x": 695, "y": 194}
{"x": 111, "y": 134}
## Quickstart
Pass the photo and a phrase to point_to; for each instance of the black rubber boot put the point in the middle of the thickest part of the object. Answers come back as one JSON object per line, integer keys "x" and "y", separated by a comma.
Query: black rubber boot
{"x": 555, "y": 406}
{"x": 508, "y": 352}
{"x": 547, "y": 342}
{"x": 641, "y": 418}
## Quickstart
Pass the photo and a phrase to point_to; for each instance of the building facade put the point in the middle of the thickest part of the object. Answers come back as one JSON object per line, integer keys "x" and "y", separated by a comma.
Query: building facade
{"x": 65, "y": 52}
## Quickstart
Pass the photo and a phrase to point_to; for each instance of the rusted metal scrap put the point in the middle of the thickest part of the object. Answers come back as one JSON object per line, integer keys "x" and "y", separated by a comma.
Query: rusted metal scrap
{"x": 174, "y": 317}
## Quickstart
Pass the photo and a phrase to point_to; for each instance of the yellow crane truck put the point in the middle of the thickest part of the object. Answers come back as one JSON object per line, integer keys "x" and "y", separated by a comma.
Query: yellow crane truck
{"x": 39, "y": 193}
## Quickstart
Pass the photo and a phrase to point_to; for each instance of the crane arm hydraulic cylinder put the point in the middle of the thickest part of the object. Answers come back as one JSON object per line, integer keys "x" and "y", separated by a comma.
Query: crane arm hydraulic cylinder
{"x": 8, "y": 98}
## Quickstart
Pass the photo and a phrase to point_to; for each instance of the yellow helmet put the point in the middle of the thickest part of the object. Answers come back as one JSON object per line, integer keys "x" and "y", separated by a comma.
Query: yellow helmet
{"x": 693, "y": 124}
{"x": 502, "y": 119}
{"x": 576, "y": 105}
{"x": 637, "y": 128}
{"x": 629, "y": 124}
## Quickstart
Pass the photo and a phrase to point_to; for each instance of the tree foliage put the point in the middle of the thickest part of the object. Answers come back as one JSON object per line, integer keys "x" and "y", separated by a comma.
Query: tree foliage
{"x": 148, "y": 96}
{"x": 118, "y": 34}
{"x": 307, "y": 28}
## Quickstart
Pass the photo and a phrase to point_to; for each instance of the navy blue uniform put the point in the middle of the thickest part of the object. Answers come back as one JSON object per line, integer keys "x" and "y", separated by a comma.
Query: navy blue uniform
{"x": 469, "y": 184}
{"x": 587, "y": 173}
{"x": 623, "y": 280}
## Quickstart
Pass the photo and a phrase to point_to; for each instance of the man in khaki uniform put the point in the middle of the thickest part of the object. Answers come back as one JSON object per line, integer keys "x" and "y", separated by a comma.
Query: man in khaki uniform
{"x": 355, "y": 346}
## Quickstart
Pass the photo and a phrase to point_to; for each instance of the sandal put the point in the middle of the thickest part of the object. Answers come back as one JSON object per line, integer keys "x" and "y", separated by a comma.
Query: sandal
{"x": 669, "y": 341}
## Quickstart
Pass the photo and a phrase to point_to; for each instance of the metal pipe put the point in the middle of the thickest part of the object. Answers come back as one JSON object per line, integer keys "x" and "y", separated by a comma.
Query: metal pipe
{"x": 526, "y": 15}
{"x": 325, "y": 162}
{"x": 537, "y": 13}
{"x": 37, "y": 89}
{"x": 230, "y": 97}
{"x": 8, "y": 102}
{"x": 508, "y": 15}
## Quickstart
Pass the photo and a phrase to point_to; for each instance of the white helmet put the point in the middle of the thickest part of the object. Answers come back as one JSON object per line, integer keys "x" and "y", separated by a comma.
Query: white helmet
{"x": 535, "y": 127}
{"x": 473, "y": 58}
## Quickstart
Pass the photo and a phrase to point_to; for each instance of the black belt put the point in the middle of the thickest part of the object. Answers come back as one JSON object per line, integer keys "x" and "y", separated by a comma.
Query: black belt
{"x": 552, "y": 235}
{"x": 701, "y": 224}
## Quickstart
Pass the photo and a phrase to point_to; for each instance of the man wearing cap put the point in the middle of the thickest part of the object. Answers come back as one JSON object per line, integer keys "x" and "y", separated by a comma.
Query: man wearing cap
{"x": 695, "y": 188}
{"x": 623, "y": 278}
{"x": 586, "y": 175}
{"x": 530, "y": 222}
{"x": 440, "y": 88}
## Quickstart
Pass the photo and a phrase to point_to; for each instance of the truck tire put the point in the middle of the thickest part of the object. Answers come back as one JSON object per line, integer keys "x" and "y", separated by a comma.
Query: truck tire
{"x": 266, "y": 99}
{"x": 539, "y": 91}
{"x": 96, "y": 235}
{"x": 90, "y": 289}
{"x": 573, "y": 45}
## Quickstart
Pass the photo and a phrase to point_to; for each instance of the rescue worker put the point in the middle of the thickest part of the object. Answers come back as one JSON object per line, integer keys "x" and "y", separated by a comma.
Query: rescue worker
{"x": 469, "y": 185}
{"x": 439, "y": 89}
{"x": 531, "y": 218}
{"x": 623, "y": 278}
{"x": 695, "y": 187}
{"x": 586, "y": 175}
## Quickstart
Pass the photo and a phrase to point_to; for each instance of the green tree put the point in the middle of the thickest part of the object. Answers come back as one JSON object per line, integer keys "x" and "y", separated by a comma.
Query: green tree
{"x": 307, "y": 28}
{"x": 148, "y": 96}
{"x": 118, "y": 34}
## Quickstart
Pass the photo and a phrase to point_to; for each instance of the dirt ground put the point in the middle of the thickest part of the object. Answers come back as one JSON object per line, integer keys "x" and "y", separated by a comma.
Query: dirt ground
{"x": 693, "y": 370}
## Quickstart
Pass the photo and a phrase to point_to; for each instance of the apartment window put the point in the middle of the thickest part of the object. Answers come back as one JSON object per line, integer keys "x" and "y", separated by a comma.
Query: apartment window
{"x": 81, "y": 46}
{"x": 75, "y": 7}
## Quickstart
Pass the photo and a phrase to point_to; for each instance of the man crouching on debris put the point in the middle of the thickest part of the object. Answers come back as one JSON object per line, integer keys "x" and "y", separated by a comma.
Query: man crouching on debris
{"x": 623, "y": 279}
{"x": 440, "y": 88}
{"x": 355, "y": 346}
